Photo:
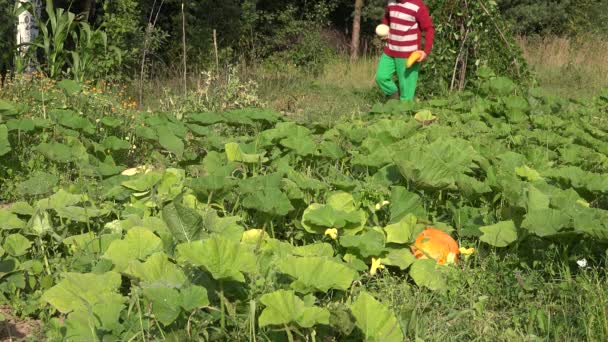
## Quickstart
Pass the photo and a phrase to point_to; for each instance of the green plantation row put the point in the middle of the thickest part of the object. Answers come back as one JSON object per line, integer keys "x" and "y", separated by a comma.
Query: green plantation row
{"x": 247, "y": 225}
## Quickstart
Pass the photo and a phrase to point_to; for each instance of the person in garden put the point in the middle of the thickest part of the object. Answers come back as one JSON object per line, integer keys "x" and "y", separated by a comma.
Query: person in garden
{"x": 406, "y": 20}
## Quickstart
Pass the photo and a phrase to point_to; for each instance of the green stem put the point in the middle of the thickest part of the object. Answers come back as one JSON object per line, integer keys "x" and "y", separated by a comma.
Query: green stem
{"x": 46, "y": 260}
{"x": 289, "y": 334}
{"x": 222, "y": 306}
{"x": 272, "y": 228}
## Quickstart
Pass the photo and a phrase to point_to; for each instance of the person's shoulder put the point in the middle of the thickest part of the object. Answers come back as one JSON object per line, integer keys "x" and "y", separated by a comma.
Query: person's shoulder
{"x": 420, "y": 3}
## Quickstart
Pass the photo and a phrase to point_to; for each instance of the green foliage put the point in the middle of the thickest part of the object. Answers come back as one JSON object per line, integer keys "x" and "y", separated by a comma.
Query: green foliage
{"x": 221, "y": 243}
{"x": 555, "y": 17}
{"x": 375, "y": 320}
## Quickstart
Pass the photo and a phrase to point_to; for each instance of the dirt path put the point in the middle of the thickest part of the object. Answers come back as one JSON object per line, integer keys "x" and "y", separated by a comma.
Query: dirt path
{"x": 16, "y": 329}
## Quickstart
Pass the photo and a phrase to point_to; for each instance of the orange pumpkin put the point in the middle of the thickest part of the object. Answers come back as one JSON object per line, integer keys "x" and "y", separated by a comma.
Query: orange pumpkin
{"x": 435, "y": 244}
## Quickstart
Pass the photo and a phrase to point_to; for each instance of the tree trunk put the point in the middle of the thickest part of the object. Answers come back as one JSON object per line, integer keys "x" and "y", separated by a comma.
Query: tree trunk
{"x": 88, "y": 10}
{"x": 354, "y": 44}
{"x": 27, "y": 28}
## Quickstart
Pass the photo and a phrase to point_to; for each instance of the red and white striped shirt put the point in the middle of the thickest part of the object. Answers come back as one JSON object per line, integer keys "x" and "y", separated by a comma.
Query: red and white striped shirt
{"x": 406, "y": 20}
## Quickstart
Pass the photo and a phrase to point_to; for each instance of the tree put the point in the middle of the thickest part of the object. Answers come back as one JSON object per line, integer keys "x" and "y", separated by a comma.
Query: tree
{"x": 354, "y": 45}
{"x": 27, "y": 28}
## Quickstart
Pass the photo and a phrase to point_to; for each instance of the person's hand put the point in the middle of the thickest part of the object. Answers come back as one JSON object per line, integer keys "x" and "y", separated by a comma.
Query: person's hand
{"x": 422, "y": 56}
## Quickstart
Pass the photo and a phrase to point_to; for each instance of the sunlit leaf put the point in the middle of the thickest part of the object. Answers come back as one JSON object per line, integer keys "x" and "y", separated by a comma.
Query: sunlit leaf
{"x": 284, "y": 307}
{"x": 375, "y": 320}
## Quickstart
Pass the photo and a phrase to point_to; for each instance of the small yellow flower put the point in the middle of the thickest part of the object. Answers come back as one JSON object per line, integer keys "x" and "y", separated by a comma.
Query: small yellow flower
{"x": 376, "y": 264}
{"x": 332, "y": 233}
{"x": 466, "y": 251}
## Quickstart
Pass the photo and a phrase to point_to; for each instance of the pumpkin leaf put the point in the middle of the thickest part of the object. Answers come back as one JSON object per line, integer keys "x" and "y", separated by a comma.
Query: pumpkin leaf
{"x": 223, "y": 258}
{"x": 316, "y": 274}
{"x": 234, "y": 153}
{"x": 425, "y": 272}
{"x": 400, "y": 257}
{"x": 78, "y": 290}
{"x": 137, "y": 245}
{"x": 546, "y": 222}
{"x": 500, "y": 234}
{"x": 157, "y": 271}
{"x": 375, "y": 320}
{"x": 284, "y": 307}
{"x": 165, "y": 303}
{"x": 402, "y": 231}
{"x": 370, "y": 243}
{"x": 16, "y": 245}
{"x": 193, "y": 297}
{"x": 404, "y": 203}
{"x": 39, "y": 184}
{"x": 169, "y": 141}
{"x": 5, "y": 146}
{"x": 185, "y": 223}
{"x": 8, "y": 220}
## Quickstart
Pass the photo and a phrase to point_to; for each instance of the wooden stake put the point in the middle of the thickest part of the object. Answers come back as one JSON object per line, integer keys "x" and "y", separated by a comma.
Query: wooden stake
{"x": 217, "y": 59}
{"x": 184, "y": 44}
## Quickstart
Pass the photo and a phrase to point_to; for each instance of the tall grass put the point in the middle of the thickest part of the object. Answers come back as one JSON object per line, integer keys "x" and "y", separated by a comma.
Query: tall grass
{"x": 570, "y": 67}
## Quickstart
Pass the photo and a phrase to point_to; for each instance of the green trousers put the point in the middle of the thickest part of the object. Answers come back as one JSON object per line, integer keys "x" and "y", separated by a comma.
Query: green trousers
{"x": 407, "y": 77}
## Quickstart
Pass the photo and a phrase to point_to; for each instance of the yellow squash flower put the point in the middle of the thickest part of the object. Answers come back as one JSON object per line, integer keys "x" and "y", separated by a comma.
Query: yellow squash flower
{"x": 332, "y": 233}
{"x": 376, "y": 264}
{"x": 466, "y": 251}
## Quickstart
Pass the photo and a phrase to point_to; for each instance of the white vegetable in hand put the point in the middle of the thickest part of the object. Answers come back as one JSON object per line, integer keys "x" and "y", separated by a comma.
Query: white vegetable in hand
{"x": 382, "y": 30}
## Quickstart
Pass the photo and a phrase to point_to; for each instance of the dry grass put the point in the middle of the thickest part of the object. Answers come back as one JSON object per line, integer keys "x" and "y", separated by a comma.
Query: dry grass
{"x": 358, "y": 75}
{"x": 573, "y": 67}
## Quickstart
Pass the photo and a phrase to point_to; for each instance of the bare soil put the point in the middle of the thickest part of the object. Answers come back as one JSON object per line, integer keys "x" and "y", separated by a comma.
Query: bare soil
{"x": 17, "y": 329}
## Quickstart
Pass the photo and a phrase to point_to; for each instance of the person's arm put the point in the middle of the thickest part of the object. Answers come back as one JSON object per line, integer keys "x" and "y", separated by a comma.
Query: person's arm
{"x": 426, "y": 26}
{"x": 385, "y": 19}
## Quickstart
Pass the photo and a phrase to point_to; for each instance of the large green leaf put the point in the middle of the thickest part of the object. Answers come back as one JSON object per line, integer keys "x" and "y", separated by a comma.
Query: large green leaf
{"x": 402, "y": 231}
{"x": 339, "y": 212}
{"x": 157, "y": 271}
{"x": 169, "y": 141}
{"x": 375, "y": 320}
{"x": 5, "y": 146}
{"x": 60, "y": 199}
{"x": 194, "y": 297}
{"x": 143, "y": 181}
{"x": 185, "y": 223}
{"x": 69, "y": 118}
{"x": 438, "y": 165}
{"x": 80, "y": 214}
{"x": 327, "y": 216}
{"x": 8, "y": 220}
{"x": 426, "y": 272}
{"x": 370, "y": 243}
{"x": 234, "y": 153}
{"x": 500, "y": 234}
{"x": 403, "y": 203}
{"x": 270, "y": 201}
{"x": 115, "y": 144}
{"x": 16, "y": 245}
{"x": 166, "y": 303}
{"x": 39, "y": 183}
{"x": 137, "y": 245}
{"x": 546, "y": 222}
{"x": 228, "y": 227}
{"x": 284, "y": 307}
{"x": 316, "y": 273}
{"x": 76, "y": 291}
{"x": 401, "y": 257}
{"x": 172, "y": 184}
{"x": 223, "y": 258}
{"x": 70, "y": 87}
{"x": 301, "y": 143}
